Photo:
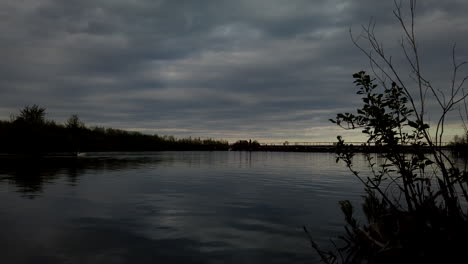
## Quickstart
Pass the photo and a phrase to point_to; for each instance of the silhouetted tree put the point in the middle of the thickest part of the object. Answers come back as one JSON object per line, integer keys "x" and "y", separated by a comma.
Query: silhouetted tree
{"x": 248, "y": 145}
{"x": 415, "y": 204}
{"x": 74, "y": 122}
{"x": 33, "y": 115}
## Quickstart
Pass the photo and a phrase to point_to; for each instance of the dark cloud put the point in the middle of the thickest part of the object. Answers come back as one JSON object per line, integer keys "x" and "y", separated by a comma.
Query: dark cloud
{"x": 274, "y": 70}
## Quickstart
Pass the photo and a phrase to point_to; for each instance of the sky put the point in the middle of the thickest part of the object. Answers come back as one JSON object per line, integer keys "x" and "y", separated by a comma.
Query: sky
{"x": 270, "y": 70}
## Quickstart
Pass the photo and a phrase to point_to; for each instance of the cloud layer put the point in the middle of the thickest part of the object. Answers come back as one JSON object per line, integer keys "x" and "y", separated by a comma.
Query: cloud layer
{"x": 265, "y": 69}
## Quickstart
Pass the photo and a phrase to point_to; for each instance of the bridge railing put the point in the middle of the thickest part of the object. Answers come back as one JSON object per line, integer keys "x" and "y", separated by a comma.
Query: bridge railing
{"x": 323, "y": 143}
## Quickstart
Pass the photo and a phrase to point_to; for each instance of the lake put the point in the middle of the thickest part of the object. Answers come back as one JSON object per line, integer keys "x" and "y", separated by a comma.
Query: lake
{"x": 172, "y": 207}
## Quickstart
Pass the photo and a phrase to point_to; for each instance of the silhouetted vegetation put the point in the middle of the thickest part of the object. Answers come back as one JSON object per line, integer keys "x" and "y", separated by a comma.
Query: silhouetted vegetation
{"x": 459, "y": 145}
{"x": 415, "y": 205}
{"x": 414, "y": 202}
{"x": 246, "y": 145}
{"x": 30, "y": 133}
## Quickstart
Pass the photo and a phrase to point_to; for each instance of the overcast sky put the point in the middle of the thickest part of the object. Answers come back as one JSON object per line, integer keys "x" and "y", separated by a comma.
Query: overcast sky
{"x": 270, "y": 70}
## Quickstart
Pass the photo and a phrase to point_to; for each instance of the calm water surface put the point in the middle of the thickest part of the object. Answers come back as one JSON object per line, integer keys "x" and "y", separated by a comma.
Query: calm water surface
{"x": 171, "y": 207}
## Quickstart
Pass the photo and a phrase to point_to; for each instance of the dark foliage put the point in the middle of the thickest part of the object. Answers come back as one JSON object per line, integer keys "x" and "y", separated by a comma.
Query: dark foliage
{"x": 245, "y": 145}
{"x": 459, "y": 145}
{"x": 31, "y": 134}
{"x": 415, "y": 204}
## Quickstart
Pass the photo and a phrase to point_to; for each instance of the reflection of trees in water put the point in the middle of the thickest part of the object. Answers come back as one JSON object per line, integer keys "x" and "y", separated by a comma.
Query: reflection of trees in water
{"x": 29, "y": 175}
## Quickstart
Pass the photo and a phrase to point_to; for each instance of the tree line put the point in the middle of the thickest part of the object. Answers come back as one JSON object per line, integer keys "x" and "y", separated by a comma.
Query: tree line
{"x": 30, "y": 132}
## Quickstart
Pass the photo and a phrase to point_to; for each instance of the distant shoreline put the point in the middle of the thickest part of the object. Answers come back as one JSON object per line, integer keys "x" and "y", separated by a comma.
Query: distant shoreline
{"x": 262, "y": 148}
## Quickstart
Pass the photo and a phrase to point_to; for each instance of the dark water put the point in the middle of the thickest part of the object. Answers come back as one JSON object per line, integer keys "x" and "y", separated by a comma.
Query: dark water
{"x": 171, "y": 207}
